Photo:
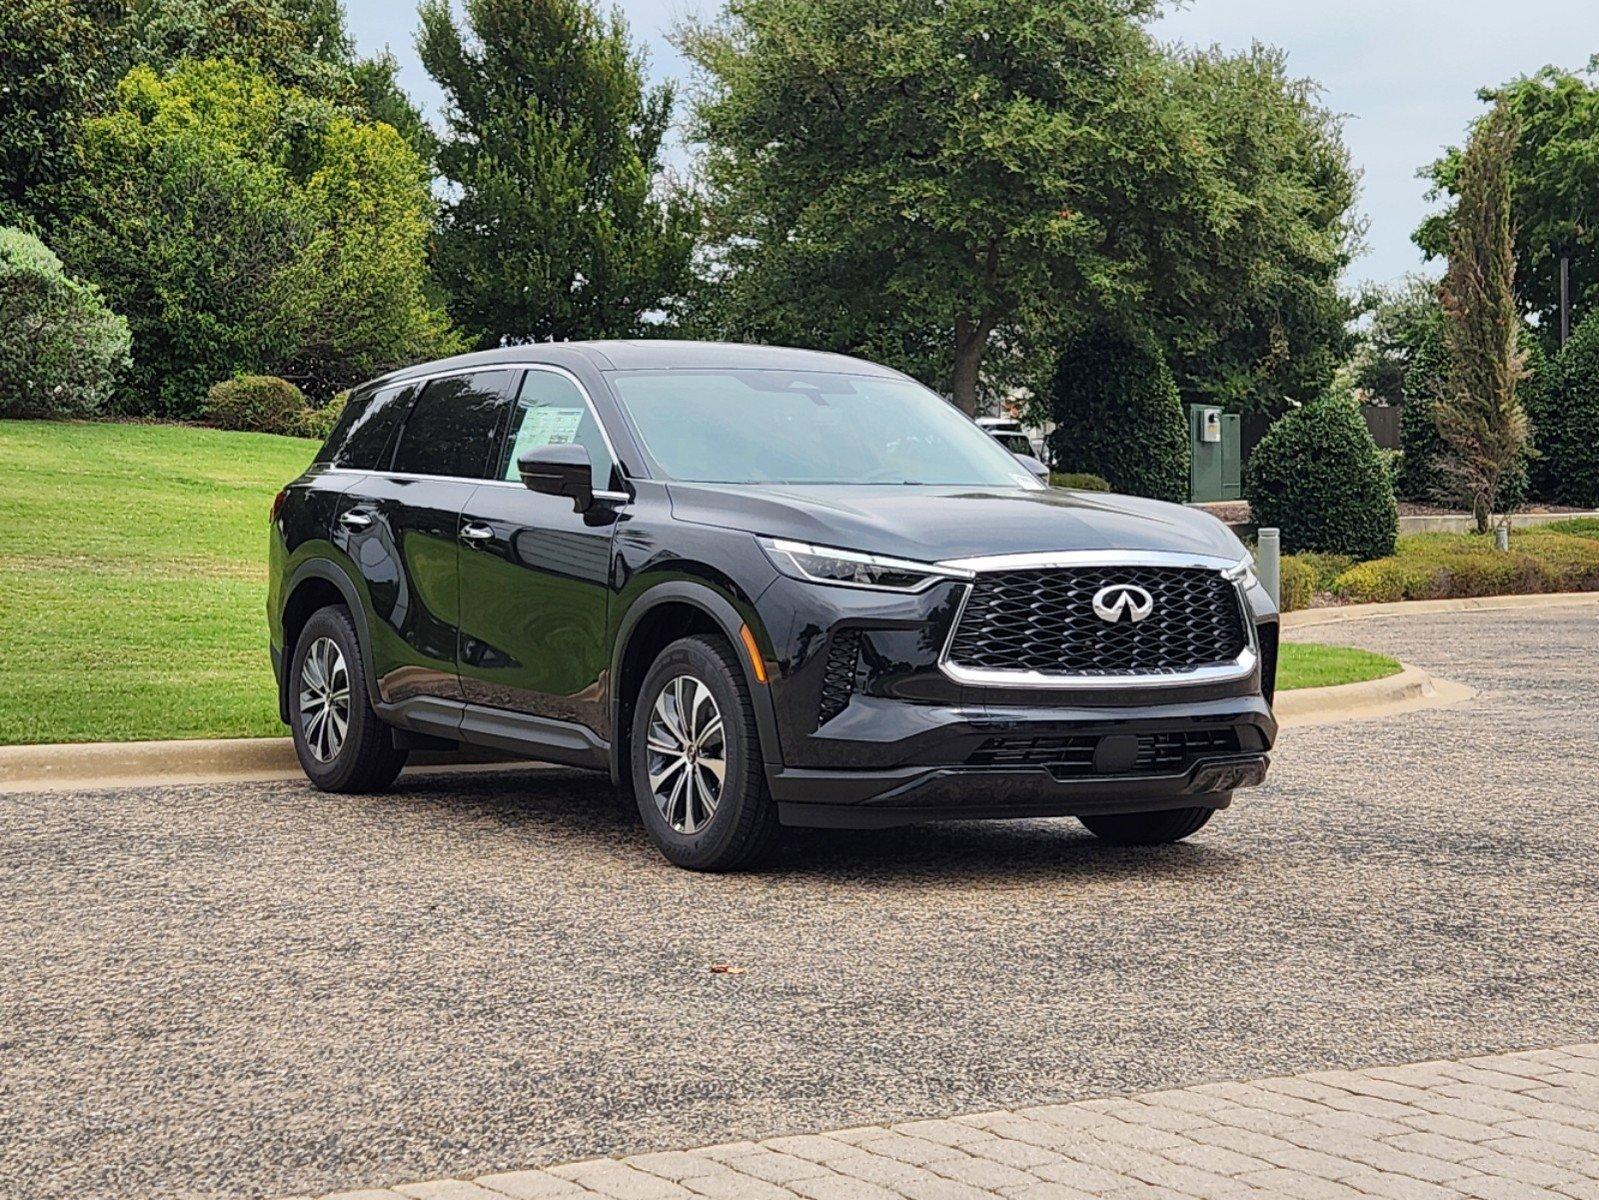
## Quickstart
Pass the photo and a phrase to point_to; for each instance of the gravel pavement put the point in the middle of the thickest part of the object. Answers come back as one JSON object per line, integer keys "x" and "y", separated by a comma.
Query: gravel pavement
{"x": 248, "y": 989}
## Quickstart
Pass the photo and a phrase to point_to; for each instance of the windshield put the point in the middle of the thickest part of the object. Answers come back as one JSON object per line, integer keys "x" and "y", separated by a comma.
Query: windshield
{"x": 809, "y": 427}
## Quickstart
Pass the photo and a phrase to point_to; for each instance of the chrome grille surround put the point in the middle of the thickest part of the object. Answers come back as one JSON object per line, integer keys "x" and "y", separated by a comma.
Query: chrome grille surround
{"x": 1233, "y": 571}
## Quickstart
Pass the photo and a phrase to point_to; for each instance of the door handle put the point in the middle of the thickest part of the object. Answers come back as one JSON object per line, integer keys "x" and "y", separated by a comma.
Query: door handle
{"x": 355, "y": 519}
{"x": 476, "y": 531}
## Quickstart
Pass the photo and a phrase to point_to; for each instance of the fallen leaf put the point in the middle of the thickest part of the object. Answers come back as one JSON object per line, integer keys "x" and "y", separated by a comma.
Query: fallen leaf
{"x": 726, "y": 969}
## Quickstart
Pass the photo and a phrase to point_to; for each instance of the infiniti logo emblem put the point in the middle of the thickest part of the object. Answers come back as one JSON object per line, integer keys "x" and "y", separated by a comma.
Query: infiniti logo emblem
{"x": 1119, "y": 600}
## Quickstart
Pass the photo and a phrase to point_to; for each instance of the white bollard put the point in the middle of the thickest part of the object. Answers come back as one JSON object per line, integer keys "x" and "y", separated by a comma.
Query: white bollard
{"x": 1269, "y": 563}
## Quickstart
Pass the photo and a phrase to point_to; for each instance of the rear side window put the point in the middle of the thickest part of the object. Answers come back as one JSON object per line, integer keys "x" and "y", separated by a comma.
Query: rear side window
{"x": 361, "y": 436}
{"x": 453, "y": 426}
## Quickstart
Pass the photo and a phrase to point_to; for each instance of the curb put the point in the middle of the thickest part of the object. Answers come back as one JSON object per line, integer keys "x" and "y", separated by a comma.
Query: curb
{"x": 1305, "y": 618}
{"x": 1409, "y": 691}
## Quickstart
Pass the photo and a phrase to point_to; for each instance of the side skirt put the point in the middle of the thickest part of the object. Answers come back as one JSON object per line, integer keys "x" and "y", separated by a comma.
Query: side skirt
{"x": 541, "y": 738}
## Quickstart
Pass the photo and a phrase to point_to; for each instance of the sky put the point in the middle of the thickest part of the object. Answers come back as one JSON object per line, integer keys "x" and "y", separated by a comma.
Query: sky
{"x": 1404, "y": 73}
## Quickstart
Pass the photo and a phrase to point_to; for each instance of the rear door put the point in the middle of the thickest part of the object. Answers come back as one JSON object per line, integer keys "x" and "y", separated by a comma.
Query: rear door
{"x": 400, "y": 526}
{"x": 535, "y": 574}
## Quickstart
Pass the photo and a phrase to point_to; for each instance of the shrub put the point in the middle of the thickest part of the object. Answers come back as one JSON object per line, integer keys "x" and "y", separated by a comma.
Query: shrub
{"x": 1117, "y": 414}
{"x": 1564, "y": 408}
{"x": 1419, "y": 443}
{"x": 1082, "y": 482}
{"x": 1297, "y": 584}
{"x": 1317, "y": 476}
{"x": 61, "y": 347}
{"x": 1440, "y": 566}
{"x": 318, "y": 422}
{"x": 257, "y": 404}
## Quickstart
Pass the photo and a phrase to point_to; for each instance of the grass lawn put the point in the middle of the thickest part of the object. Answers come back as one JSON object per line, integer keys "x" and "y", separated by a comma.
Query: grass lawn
{"x": 133, "y": 584}
{"x": 133, "y": 580}
{"x": 1303, "y": 665}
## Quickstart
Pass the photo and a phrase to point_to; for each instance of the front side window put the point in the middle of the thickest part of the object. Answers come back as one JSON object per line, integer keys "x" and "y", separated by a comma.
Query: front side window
{"x": 550, "y": 411}
{"x": 451, "y": 429}
{"x": 362, "y": 434}
{"x": 809, "y": 427}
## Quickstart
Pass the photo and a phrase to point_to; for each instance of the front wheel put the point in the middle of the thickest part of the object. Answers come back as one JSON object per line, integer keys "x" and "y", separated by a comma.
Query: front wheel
{"x": 341, "y": 744}
{"x": 696, "y": 764}
{"x": 1147, "y": 828}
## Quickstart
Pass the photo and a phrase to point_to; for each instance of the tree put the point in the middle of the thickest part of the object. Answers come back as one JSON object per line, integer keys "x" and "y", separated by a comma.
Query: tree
{"x": 560, "y": 223}
{"x": 958, "y": 186}
{"x": 1554, "y": 185}
{"x": 62, "y": 60}
{"x": 1480, "y": 421}
{"x": 242, "y": 226}
{"x": 1564, "y": 405}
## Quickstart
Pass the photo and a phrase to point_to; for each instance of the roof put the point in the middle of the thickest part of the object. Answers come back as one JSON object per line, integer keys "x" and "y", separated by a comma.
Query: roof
{"x": 645, "y": 354}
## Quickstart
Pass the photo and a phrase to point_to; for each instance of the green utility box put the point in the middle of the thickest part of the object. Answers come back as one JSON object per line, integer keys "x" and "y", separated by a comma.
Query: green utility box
{"x": 1216, "y": 440}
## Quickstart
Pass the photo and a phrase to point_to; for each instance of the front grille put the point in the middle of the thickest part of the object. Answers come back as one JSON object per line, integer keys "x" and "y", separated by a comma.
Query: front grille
{"x": 1043, "y": 620}
{"x": 838, "y": 678}
{"x": 1158, "y": 753}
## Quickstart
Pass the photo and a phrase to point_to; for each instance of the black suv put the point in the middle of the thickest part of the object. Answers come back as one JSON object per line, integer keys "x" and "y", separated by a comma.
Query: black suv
{"x": 760, "y": 587}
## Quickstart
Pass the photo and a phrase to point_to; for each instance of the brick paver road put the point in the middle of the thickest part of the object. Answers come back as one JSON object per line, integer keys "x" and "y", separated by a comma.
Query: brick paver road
{"x": 1499, "y": 1127}
{"x": 222, "y": 991}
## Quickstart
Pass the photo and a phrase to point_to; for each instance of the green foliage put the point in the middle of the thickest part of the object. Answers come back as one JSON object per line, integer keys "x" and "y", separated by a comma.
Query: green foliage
{"x": 1297, "y": 585}
{"x": 1081, "y": 481}
{"x": 1118, "y": 415}
{"x": 247, "y": 228}
{"x": 1554, "y": 179}
{"x": 1405, "y": 323}
{"x": 1480, "y": 421}
{"x": 62, "y": 58}
{"x": 1565, "y": 415}
{"x": 60, "y": 346}
{"x": 919, "y": 183}
{"x": 1435, "y": 566}
{"x": 1317, "y": 477}
{"x": 256, "y": 404}
{"x": 318, "y": 423}
{"x": 560, "y": 223}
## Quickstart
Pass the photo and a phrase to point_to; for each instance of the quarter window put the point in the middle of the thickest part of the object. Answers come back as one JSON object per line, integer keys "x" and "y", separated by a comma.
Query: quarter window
{"x": 551, "y": 411}
{"x": 452, "y": 427}
{"x": 362, "y": 434}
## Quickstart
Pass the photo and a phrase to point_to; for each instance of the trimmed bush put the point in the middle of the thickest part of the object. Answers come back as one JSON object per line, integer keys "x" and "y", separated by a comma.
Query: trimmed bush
{"x": 1419, "y": 443}
{"x": 257, "y": 404}
{"x": 61, "y": 346}
{"x": 1297, "y": 585}
{"x": 319, "y": 422}
{"x": 1436, "y": 566}
{"x": 1564, "y": 408}
{"x": 1318, "y": 477}
{"x": 1117, "y": 415}
{"x": 1081, "y": 482}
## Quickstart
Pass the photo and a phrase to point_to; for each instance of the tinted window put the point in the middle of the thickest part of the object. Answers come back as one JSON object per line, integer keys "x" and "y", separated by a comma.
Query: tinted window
{"x": 809, "y": 427}
{"x": 452, "y": 426}
{"x": 550, "y": 411}
{"x": 361, "y": 435}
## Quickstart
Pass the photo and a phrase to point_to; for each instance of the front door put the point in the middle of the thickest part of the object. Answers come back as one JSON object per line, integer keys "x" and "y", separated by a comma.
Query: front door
{"x": 535, "y": 575}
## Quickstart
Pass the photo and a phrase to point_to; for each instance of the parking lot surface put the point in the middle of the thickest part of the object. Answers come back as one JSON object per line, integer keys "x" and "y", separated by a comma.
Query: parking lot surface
{"x": 259, "y": 989}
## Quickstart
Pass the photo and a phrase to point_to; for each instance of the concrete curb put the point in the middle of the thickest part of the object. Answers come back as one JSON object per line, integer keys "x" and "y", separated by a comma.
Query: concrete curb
{"x": 131, "y": 764}
{"x": 1408, "y": 691}
{"x": 1305, "y": 618}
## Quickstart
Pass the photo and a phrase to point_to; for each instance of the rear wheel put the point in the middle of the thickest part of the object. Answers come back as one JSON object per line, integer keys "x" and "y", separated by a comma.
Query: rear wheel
{"x": 696, "y": 764}
{"x": 340, "y": 742}
{"x": 1148, "y": 828}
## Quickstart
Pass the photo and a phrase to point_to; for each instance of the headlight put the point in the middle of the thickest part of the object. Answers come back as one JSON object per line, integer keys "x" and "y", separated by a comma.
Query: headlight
{"x": 850, "y": 568}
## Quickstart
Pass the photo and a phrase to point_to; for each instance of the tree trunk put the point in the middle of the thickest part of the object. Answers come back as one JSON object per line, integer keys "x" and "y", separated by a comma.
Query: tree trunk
{"x": 971, "y": 340}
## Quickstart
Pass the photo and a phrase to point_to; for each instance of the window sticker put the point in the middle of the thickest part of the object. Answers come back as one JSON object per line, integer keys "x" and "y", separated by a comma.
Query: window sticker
{"x": 545, "y": 426}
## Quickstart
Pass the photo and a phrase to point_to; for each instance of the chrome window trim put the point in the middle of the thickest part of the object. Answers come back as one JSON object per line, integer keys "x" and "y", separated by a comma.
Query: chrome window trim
{"x": 613, "y": 497}
{"x": 482, "y": 369}
{"x": 1235, "y": 571}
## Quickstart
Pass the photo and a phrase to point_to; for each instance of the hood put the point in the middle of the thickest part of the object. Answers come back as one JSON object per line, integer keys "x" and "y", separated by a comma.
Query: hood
{"x": 932, "y": 524}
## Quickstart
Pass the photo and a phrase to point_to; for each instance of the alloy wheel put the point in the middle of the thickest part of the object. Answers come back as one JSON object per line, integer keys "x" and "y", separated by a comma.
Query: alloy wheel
{"x": 324, "y": 699}
{"x": 687, "y": 759}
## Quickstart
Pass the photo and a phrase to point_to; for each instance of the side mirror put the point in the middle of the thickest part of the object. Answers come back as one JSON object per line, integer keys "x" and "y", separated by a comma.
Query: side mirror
{"x": 1033, "y": 465}
{"x": 560, "y": 470}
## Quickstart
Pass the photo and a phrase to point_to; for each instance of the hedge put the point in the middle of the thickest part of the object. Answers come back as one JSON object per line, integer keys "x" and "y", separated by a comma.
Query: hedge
{"x": 1319, "y": 478}
{"x": 1563, "y": 557}
{"x": 1082, "y": 482}
{"x": 61, "y": 346}
{"x": 1565, "y": 417}
{"x": 257, "y": 404}
{"x": 1118, "y": 416}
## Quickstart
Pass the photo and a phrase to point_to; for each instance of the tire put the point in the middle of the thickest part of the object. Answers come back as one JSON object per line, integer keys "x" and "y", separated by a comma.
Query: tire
{"x": 1148, "y": 828}
{"x": 365, "y": 758}
{"x": 693, "y": 822}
